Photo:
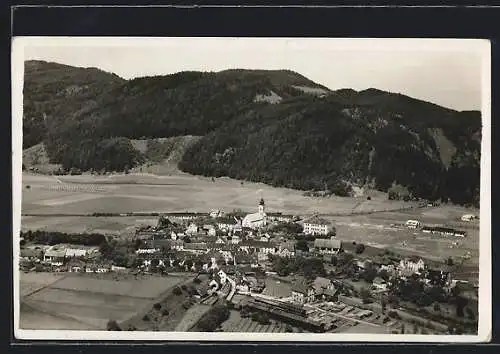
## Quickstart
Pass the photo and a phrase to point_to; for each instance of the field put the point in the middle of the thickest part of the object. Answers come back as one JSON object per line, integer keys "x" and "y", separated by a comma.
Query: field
{"x": 87, "y": 300}
{"x": 181, "y": 192}
{"x": 236, "y": 323}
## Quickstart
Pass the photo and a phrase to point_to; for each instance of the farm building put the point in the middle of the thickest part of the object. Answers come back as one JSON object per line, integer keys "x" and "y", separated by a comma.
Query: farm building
{"x": 317, "y": 226}
{"x": 55, "y": 255}
{"x": 324, "y": 288}
{"x": 468, "y": 217}
{"x": 327, "y": 246}
{"x": 302, "y": 292}
{"x": 412, "y": 224}
{"x": 411, "y": 266}
{"x": 444, "y": 231}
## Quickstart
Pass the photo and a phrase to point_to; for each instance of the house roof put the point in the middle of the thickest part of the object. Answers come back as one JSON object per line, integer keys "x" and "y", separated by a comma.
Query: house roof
{"x": 301, "y": 285}
{"x": 317, "y": 221}
{"x": 327, "y": 243}
{"x": 55, "y": 251}
{"x": 196, "y": 246}
{"x": 257, "y": 244}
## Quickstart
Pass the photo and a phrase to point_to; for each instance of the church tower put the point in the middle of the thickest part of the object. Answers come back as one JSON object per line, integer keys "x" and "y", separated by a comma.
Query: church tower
{"x": 261, "y": 206}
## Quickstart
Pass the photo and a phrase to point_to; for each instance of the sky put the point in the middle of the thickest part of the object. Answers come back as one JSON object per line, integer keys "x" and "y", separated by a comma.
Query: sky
{"x": 445, "y": 72}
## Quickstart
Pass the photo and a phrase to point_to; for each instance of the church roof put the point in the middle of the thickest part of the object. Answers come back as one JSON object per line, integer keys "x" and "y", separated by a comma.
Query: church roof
{"x": 254, "y": 217}
{"x": 261, "y": 201}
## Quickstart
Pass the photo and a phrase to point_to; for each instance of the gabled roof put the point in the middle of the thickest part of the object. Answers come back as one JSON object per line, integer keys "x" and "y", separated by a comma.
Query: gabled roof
{"x": 327, "y": 243}
{"x": 317, "y": 221}
{"x": 301, "y": 287}
{"x": 196, "y": 246}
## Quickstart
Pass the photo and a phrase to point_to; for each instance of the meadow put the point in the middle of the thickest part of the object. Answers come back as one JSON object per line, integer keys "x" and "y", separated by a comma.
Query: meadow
{"x": 88, "y": 301}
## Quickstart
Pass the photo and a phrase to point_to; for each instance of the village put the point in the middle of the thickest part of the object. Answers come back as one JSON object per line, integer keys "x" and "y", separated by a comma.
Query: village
{"x": 273, "y": 273}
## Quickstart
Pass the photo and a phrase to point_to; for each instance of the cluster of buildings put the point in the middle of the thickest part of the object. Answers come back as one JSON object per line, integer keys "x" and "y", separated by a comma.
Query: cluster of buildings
{"x": 62, "y": 257}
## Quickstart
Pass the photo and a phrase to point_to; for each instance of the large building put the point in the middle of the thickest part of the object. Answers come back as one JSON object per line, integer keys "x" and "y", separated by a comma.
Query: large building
{"x": 256, "y": 220}
{"x": 317, "y": 226}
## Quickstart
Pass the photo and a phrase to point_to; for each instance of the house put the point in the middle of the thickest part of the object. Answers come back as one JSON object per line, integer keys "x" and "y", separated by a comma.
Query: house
{"x": 412, "y": 224}
{"x": 251, "y": 246}
{"x": 196, "y": 247}
{"x": 324, "y": 289}
{"x": 302, "y": 292}
{"x": 147, "y": 250}
{"x": 225, "y": 223}
{"x": 286, "y": 249}
{"x": 411, "y": 266}
{"x": 55, "y": 255}
{"x": 468, "y": 217}
{"x": 177, "y": 245}
{"x": 192, "y": 229}
{"x": 317, "y": 226}
{"x": 327, "y": 246}
{"x": 216, "y": 213}
{"x": 379, "y": 284}
{"x": 279, "y": 217}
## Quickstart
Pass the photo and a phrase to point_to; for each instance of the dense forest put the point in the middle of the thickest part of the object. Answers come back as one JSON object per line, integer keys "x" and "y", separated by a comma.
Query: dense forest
{"x": 275, "y": 127}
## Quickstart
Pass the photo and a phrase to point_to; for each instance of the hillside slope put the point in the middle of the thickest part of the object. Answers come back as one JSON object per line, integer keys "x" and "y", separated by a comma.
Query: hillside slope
{"x": 275, "y": 126}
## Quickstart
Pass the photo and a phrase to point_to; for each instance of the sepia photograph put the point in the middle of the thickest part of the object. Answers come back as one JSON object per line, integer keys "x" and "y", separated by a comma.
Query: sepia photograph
{"x": 251, "y": 189}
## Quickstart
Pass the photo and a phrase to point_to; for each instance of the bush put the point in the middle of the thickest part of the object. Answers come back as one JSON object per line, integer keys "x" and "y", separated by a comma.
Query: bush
{"x": 131, "y": 328}
{"x": 177, "y": 291}
{"x": 184, "y": 287}
{"x": 113, "y": 326}
{"x": 213, "y": 318}
{"x": 165, "y": 312}
{"x": 146, "y": 318}
{"x": 157, "y": 306}
{"x": 393, "y": 314}
{"x": 197, "y": 280}
{"x": 360, "y": 248}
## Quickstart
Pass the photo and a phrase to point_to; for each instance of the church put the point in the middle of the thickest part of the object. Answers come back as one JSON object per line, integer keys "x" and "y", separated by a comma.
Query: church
{"x": 256, "y": 220}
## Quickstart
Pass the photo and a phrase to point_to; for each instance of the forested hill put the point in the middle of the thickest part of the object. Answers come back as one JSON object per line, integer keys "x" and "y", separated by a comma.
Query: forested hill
{"x": 277, "y": 127}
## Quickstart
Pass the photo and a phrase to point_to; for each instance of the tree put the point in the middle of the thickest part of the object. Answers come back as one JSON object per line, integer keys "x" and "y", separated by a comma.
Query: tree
{"x": 177, "y": 291}
{"x": 365, "y": 295}
{"x": 360, "y": 248}
{"x": 112, "y": 325}
{"x": 302, "y": 245}
{"x": 157, "y": 306}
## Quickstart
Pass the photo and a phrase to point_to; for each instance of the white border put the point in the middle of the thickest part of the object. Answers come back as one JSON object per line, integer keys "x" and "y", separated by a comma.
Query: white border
{"x": 484, "y": 319}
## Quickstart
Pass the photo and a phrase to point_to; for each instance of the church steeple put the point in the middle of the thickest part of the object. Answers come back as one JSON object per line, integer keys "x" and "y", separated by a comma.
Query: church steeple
{"x": 261, "y": 206}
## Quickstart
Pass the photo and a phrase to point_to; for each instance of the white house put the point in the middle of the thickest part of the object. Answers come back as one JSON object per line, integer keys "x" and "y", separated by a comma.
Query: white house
{"x": 408, "y": 266}
{"x": 215, "y": 213}
{"x": 412, "y": 224}
{"x": 192, "y": 229}
{"x": 302, "y": 292}
{"x": 55, "y": 255}
{"x": 468, "y": 217}
{"x": 178, "y": 245}
{"x": 317, "y": 226}
{"x": 147, "y": 250}
{"x": 286, "y": 249}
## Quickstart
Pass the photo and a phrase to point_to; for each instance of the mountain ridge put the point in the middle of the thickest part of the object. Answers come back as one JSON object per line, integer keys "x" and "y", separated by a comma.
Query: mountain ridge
{"x": 271, "y": 126}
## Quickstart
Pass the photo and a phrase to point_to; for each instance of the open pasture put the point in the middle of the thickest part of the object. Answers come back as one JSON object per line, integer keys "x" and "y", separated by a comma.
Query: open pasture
{"x": 145, "y": 288}
{"x": 181, "y": 192}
